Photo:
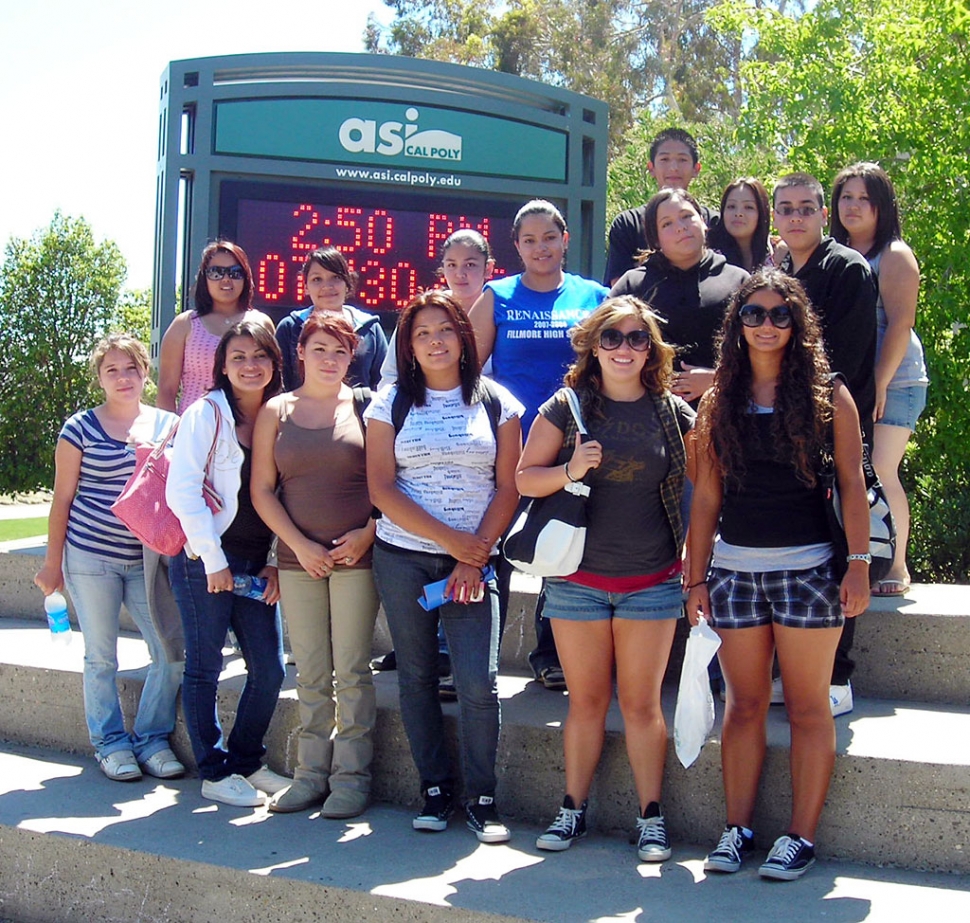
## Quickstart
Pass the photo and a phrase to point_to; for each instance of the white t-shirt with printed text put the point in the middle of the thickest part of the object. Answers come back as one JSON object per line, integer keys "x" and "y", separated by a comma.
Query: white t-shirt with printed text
{"x": 445, "y": 458}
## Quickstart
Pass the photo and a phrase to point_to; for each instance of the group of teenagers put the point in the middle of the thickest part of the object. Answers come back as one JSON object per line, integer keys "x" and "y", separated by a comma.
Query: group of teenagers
{"x": 353, "y": 473}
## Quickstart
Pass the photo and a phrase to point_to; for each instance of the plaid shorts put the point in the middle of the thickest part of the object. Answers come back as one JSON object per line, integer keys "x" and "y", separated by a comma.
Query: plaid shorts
{"x": 793, "y": 598}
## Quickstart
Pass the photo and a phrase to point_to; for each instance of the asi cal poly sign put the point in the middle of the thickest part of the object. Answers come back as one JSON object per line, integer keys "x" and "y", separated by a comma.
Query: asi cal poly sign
{"x": 392, "y": 138}
{"x": 354, "y": 131}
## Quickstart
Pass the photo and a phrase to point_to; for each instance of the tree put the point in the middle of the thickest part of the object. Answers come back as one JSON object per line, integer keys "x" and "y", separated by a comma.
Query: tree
{"x": 634, "y": 54}
{"x": 133, "y": 313}
{"x": 58, "y": 294}
{"x": 886, "y": 80}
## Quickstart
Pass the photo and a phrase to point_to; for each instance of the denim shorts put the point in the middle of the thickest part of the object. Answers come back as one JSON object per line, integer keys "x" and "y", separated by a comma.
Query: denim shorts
{"x": 903, "y": 406}
{"x": 793, "y": 598}
{"x": 578, "y": 603}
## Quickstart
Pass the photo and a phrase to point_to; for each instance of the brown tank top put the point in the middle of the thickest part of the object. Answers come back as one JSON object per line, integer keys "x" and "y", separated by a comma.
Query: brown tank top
{"x": 323, "y": 480}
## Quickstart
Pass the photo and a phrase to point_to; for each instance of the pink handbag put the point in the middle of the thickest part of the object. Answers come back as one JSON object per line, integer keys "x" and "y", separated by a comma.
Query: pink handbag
{"x": 141, "y": 505}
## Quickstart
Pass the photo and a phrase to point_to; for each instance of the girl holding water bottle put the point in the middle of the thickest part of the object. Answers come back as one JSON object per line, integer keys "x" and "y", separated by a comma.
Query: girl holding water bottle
{"x": 91, "y": 551}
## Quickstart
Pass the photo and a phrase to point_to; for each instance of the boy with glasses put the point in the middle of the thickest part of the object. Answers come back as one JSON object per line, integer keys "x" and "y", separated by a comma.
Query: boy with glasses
{"x": 843, "y": 292}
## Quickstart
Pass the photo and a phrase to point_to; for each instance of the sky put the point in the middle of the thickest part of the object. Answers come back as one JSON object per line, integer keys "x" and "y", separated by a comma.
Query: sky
{"x": 79, "y": 87}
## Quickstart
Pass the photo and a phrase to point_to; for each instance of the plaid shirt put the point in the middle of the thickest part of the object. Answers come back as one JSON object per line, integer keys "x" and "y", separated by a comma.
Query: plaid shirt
{"x": 672, "y": 486}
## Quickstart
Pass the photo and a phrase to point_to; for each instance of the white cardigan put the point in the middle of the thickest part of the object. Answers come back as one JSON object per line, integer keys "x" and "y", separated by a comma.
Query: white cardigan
{"x": 203, "y": 528}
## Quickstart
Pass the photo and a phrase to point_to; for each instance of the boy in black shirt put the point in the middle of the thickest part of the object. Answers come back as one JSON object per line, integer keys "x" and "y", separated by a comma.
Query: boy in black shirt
{"x": 843, "y": 292}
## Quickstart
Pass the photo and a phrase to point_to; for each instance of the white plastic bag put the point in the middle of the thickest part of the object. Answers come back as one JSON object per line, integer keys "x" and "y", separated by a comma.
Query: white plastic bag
{"x": 694, "y": 715}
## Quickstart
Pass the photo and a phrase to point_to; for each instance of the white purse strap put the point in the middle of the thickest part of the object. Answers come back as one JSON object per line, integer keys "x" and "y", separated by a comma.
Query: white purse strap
{"x": 572, "y": 398}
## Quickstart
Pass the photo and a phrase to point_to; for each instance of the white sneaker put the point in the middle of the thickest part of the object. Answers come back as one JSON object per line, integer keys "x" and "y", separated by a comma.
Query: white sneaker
{"x": 234, "y": 790}
{"x": 268, "y": 781}
{"x": 778, "y": 692}
{"x": 840, "y": 697}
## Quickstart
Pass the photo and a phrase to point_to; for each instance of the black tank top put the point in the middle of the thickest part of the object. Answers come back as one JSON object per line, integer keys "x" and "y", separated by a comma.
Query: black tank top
{"x": 771, "y": 508}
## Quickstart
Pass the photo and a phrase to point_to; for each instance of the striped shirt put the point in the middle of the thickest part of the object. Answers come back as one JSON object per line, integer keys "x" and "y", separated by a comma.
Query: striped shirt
{"x": 106, "y": 465}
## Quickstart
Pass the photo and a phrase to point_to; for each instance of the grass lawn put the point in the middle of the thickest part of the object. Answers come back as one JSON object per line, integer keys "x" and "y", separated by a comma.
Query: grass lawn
{"x": 13, "y": 529}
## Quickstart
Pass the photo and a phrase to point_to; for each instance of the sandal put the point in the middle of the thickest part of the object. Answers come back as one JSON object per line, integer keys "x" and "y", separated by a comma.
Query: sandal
{"x": 891, "y": 587}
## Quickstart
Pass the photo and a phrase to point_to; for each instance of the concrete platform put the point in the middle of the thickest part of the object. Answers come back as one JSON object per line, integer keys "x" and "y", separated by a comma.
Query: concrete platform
{"x": 912, "y": 648}
{"x": 900, "y": 791}
{"x": 75, "y": 846}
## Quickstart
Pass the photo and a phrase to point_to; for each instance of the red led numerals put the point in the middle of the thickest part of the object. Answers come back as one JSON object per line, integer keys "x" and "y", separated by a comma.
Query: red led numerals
{"x": 441, "y": 227}
{"x": 271, "y": 277}
{"x": 300, "y": 243}
{"x": 379, "y": 285}
{"x": 380, "y": 232}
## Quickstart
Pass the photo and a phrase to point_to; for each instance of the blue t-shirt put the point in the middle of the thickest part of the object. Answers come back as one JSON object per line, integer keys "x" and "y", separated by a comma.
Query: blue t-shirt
{"x": 532, "y": 349}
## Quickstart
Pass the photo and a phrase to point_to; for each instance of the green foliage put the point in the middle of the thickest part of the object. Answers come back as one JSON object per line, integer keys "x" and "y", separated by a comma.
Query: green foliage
{"x": 58, "y": 295}
{"x": 723, "y": 159}
{"x": 633, "y": 54}
{"x": 133, "y": 314}
{"x": 886, "y": 80}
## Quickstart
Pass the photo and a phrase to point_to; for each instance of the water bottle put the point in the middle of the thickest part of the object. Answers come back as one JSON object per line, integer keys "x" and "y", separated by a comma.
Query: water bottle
{"x": 250, "y": 587}
{"x": 55, "y": 606}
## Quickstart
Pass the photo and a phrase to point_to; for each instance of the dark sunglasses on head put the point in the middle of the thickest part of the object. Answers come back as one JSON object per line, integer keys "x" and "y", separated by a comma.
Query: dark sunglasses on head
{"x": 611, "y": 338}
{"x": 215, "y": 273}
{"x": 753, "y": 315}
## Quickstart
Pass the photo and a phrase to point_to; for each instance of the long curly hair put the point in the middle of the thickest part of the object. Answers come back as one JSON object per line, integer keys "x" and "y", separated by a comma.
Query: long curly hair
{"x": 585, "y": 375}
{"x": 802, "y": 418}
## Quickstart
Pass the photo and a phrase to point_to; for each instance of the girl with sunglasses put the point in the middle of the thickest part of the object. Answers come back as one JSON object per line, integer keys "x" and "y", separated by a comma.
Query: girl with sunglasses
{"x": 621, "y": 607}
{"x": 223, "y": 297}
{"x": 767, "y": 583}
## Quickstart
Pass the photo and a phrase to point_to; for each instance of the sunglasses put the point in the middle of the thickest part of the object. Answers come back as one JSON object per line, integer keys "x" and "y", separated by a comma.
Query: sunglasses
{"x": 803, "y": 211}
{"x": 639, "y": 340}
{"x": 753, "y": 315}
{"x": 215, "y": 273}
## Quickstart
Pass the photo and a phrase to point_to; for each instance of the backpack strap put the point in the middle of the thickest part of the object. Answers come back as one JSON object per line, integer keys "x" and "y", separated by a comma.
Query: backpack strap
{"x": 362, "y": 398}
{"x": 400, "y": 408}
{"x": 487, "y": 393}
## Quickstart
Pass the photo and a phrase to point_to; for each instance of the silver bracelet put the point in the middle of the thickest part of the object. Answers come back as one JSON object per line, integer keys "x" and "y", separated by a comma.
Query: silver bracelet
{"x": 565, "y": 468}
{"x": 859, "y": 557}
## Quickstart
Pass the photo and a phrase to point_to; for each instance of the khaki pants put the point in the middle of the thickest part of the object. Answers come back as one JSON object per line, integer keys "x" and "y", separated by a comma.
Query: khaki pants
{"x": 331, "y": 627}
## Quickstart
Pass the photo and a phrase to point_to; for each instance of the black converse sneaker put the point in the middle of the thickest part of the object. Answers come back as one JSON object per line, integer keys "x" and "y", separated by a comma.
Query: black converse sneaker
{"x": 730, "y": 851}
{"x": 652, "y": 842}
{"x": 484, "y": 820}
{"x": 790, "y": 858}
{"x": 439, "y": 803}
{"x": 569, "y": 825}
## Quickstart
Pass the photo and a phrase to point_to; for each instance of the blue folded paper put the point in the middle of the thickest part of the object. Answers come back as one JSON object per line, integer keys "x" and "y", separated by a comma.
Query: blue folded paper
{"x": 433, "y": 594}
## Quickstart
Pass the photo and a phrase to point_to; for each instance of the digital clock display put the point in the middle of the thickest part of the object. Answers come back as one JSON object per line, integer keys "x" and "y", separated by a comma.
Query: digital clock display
{"x": 391, "y": 240}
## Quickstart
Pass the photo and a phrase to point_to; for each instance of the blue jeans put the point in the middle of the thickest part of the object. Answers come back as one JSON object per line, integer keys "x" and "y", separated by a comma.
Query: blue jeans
{"x": 205, "y": 619}
{"x": 472, "y": 633}
{"x": 98, "y": 586}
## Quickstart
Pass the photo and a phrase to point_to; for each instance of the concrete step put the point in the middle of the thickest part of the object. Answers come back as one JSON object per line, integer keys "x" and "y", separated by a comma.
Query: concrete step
{"x": 914, "y": 648}
{"x": 900, "y": 792}
{"x": 74, "y": 846}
